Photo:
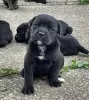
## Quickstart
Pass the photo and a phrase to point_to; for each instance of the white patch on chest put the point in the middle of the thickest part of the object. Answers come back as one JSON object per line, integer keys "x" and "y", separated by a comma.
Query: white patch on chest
{"x": 41, "y": 55}
{"x": 39, "y": 43}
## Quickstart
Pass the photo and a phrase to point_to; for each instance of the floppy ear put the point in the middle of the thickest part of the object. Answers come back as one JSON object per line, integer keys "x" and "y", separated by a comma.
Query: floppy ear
{"x": 58, "y": 32}
{"x": 31, "y": 21}
{"x": 60, "y": 28}
{"x": 63, "y": 28}
{"x": 27, "y": 34}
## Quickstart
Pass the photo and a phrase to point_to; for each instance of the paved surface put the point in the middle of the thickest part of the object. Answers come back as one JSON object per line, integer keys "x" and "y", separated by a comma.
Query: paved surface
{"x": 76, "y": 86}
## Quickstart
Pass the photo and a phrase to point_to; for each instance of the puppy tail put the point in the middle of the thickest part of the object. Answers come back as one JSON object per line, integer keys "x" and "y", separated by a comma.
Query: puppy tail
{"x": 83, "y": 50}
{"x": 69, "y": 30}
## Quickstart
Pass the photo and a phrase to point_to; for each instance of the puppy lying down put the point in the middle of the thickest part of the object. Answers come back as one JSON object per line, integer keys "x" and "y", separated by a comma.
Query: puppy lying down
{"x": 43, "y": 57}
{"x": 69, "y": 44}
{"x": 5, "y": 33}
{"x": 38, "y": 1}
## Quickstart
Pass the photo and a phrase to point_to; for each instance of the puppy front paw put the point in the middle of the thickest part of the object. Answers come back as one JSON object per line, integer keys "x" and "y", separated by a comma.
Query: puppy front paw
{"x": 16, "y": 7}
{"x": 55, "y": 83}
{"x": 10, "y": 8}
{"x": 28, "y": 90}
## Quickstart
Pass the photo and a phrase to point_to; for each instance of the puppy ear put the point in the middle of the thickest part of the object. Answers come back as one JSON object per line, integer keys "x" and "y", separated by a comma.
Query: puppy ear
{"x": 27, "y": 34}
{"x": 58, "y": 32}
{"x": 31, "y": 21}
{"x": 63, "y": 28}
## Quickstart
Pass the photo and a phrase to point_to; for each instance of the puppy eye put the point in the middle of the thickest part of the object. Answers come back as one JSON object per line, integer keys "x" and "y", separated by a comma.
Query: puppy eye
{"x": 49, "y": 26}
{"x": 20, "y": 31}
{"x": 52, "y": 28}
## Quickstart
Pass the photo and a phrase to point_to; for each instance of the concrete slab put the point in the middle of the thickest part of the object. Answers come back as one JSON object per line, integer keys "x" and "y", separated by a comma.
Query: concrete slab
{"x": 72, "y": 3}
{"x": 69, "y": 2}
{"x": 76, "y": 87}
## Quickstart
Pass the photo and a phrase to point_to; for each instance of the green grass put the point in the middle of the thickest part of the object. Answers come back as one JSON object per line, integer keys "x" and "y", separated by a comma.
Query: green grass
{"x": 84, "y": 2}
{"x": 88, "y": 55}
{"x": 75, "y": 65}
{"x": 8, "y": 72}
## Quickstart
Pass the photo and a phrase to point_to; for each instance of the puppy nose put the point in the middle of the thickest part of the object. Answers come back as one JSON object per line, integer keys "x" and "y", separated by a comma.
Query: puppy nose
{"x": 41, "y": 34}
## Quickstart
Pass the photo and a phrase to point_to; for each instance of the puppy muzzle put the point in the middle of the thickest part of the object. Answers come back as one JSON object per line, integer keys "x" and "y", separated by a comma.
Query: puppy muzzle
{"x": 41, "y": 37}
{"x": 41, "y": 34}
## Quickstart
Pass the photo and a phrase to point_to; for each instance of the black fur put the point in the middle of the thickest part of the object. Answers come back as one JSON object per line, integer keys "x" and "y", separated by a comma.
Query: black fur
{"x": 43, "y": 57}
{"x": 5, "y": 33}
{"x": 11, "y": 4}
{"x": 70, "y": 45}
{"x": 21, "y": 30}
{"x": 38, "y": 1}
{"x": 64, "y": 28}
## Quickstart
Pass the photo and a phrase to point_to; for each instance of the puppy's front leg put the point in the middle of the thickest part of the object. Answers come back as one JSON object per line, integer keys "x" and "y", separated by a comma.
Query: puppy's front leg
{"x": 28, "y": 76}
{"x": 54, "y": 73}
{"x": 15, "y": 5}
{"x": 10, "y": 5}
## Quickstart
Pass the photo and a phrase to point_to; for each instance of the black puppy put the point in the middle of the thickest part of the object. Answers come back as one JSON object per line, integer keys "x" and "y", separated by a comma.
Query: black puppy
{"x": 43, "y": 57}
{"x": 22, "y": 35}
{"x": 70, "y": 45}
{"x": 38, "y": 1}
{"x": 11, "y": 4}
{"x": 21, "y": 30}
{"x": 5, "y": 33}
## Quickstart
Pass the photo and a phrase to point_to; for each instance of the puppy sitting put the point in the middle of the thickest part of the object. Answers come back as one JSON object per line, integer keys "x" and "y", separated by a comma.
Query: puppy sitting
{"x": 43, "y": 57}
{"x": 38, "y": 1}
{"x": 5, "y": 33}
{"x": 11, "y": 4}
{"x": 70, "y": 46}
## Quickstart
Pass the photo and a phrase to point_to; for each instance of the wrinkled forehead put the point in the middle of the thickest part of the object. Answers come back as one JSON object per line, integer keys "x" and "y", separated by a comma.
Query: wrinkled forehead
{"x": 45, "y": 20}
